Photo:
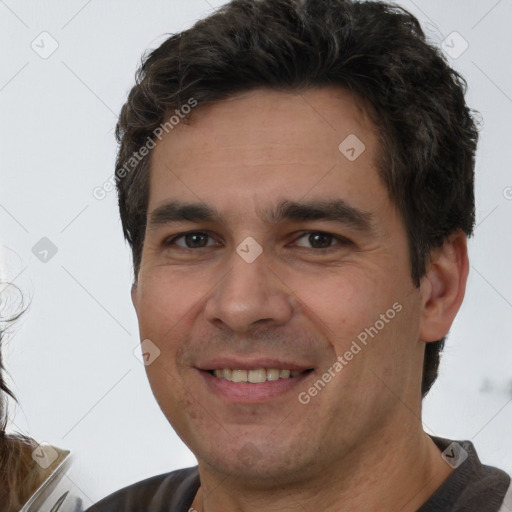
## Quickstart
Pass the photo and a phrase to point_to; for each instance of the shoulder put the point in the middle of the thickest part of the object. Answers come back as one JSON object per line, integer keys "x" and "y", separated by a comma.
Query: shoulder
{"x": 471, "y": 485}
{"x": 173, "y": 491}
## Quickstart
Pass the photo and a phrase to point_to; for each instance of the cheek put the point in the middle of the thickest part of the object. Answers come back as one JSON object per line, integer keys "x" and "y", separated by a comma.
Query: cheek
{"x": 165, "y": 313}
{"x": 167, "y": 304}
{"x": 176, "y": 401}
{"x": 166, "y": 301}
{"x": 341, "y": 303}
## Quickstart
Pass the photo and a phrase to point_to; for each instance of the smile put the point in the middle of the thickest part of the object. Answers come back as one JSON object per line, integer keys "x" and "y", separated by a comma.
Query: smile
{"x": 254, "y": 385}
{"x": 257, "y": 375}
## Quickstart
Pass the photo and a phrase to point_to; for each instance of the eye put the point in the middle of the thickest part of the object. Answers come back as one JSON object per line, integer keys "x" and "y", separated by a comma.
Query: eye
{"x": 315, "y": 240}
{"x": 192, "y": 240}
{"x": 322, "y": 240}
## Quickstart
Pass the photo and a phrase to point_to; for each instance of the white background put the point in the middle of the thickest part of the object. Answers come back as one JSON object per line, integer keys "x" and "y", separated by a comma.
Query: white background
{"x": 71, "y": 357}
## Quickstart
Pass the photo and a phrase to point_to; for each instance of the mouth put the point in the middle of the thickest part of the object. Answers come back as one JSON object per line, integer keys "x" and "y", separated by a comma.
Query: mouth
{"x": 254, "y": 385}
{"x": 257, "y": 375}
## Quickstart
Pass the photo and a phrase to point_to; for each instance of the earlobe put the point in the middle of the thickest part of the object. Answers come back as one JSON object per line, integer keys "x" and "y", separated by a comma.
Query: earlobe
{"x": 443, "y": 287}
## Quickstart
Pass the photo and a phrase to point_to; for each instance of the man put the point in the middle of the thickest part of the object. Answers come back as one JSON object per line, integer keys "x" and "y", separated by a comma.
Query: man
{"x": 295, "y": 180}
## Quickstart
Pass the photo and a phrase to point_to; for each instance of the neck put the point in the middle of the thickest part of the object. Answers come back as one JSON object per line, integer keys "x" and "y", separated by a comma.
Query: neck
{"x": 388, "y": 472}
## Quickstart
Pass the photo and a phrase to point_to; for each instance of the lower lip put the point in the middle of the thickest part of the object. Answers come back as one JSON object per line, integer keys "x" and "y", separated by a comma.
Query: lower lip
{"x": 246, "y": 392}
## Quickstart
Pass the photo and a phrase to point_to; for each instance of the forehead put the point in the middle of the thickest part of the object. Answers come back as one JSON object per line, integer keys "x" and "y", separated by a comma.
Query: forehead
{"x": 249, "y": 147}
{"x": 276, "y": 118}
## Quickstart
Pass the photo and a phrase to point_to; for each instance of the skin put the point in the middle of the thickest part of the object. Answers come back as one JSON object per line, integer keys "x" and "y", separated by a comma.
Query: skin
{"x": 359, "y": 443}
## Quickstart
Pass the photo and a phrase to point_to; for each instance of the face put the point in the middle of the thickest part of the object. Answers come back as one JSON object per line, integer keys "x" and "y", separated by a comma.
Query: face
{"x": 263, "y": 278}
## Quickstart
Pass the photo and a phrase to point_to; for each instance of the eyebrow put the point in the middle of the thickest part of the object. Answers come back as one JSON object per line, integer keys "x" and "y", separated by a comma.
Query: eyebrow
{"x": 337, "y": 210}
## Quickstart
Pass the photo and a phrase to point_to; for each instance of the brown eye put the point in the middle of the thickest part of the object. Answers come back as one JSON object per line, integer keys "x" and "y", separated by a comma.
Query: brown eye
{"x": 193, "y": 240}
{"x": 321, "y": 240}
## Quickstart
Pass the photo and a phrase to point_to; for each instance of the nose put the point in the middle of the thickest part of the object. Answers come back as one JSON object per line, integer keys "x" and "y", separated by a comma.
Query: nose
{"x": 250, "y": 293}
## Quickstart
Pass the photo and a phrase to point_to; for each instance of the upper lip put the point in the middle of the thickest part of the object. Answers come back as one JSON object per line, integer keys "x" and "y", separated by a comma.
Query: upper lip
{"x": 246, "y": 363}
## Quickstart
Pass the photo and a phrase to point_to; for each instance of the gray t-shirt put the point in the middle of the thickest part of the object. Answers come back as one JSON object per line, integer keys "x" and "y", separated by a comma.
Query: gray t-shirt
{"x": 471, "y": 487}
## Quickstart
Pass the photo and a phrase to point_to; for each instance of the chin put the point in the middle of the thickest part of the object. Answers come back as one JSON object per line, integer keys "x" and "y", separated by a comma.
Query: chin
{"x": 257, "y": 462}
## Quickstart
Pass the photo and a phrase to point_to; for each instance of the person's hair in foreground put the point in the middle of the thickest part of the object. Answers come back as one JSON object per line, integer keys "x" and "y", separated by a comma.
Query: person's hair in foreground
{"x": 375, "y": 50}
{"x": 24, "y": 482}
{"x": 18, "y": 472}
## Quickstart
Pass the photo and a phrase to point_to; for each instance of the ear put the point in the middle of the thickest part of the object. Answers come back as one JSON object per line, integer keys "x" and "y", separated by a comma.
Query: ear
{"x": 442, "y": 288}
{"x": 134, "y": 295}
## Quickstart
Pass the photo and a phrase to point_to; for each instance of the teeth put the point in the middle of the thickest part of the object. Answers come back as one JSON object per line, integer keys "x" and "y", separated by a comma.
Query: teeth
{"x": 255, "y": 376}
{"x": 273, "y": 374}
{"x": 239, "y": 376}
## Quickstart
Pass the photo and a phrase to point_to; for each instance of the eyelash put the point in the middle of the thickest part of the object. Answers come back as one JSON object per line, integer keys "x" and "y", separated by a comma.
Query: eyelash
{"x": 341, "y": 240}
